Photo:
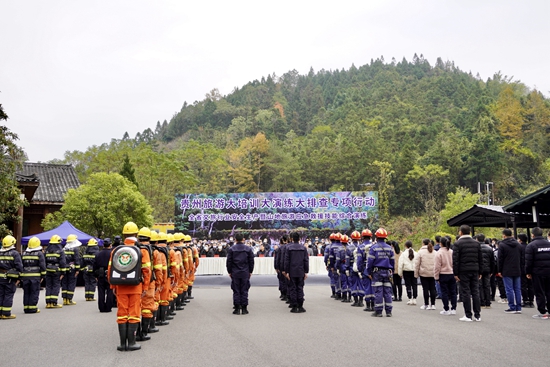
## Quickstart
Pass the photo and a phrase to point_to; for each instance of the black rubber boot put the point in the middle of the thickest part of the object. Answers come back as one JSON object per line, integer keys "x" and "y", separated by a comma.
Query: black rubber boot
{"x": 122, "y": 331}
{"x": 161, "y": 319}
{"x": 172, "y": 308}
{"x": 189, "y": 290}
{"x": 333, "y": 292}
{"x": 152, "y": 323}
{"x": 236, "y": 309}
{"x": 355, "y": 302}
{"x": 179, "y": 303}
{"x": 132, "y": 330}
{"x": 360, "y": 304}
{"x": 244, "y": 310}
{"x": 338, "y": 296}
{"x": 301, "y": 308}
{"x": 294, "y": 309}
{"x": 145, "y": 329}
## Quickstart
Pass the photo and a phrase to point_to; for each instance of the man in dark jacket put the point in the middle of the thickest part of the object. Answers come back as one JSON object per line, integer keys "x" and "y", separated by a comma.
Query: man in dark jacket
{"x": 537, "y": 267}
{"x": 509, "y": 264}
{"x": 105, "y": 295}
{"x": 240, "y": 265}
{"x": 488, "y": 270}
{"x": 527, "y": 292}
{"x": 296, "y": 267}
{"x": 467, "y": 268}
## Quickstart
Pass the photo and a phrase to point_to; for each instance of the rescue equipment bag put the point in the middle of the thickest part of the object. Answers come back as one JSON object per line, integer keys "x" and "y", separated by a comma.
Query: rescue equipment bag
{"x": 126, "y": 266}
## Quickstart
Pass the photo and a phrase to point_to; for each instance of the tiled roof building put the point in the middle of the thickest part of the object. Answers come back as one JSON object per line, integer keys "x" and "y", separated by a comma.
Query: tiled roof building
{"x": 44, "y": 186}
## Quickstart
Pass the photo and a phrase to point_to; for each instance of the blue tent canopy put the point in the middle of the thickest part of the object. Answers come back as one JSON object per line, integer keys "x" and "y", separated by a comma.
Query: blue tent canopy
{"x": 63, "y": 231}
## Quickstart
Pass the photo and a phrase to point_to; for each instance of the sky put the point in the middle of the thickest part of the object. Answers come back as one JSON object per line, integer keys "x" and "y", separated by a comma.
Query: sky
{"x": 75, "y": 74}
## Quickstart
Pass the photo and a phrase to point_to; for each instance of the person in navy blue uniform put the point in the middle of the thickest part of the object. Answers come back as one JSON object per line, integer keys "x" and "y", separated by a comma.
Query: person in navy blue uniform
{"x": 381, "y": 262}
{"x": 55, "y": 269}
{"x": 104, "y": 292}
{"x": 362, "y": 260}
{"x": 72, "y": 256}
{"x": 10, "y": 268}
{"x": 296, "y": 270}
{"x": 355, "y": 253}
{"x": 341, "y": 266}
{"x": 240, "y": 265}
{"x": 278, "y": 264}
{"x": 34, "y": 268}
{"x": 326, "y": 255}
{"x": 88, "y": 259}
{"x": 335, "y": 249}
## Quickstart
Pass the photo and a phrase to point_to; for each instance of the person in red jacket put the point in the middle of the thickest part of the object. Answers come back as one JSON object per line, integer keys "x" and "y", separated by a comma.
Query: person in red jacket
{"x": 129, "y": 296}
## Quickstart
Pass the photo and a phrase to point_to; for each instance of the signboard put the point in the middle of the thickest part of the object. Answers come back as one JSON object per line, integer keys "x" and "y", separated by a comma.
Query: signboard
{"x": 276, "y": 210}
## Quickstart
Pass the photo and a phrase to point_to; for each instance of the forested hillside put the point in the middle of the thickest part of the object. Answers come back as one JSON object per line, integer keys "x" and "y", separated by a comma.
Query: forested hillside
{"x": 417, "y": 131}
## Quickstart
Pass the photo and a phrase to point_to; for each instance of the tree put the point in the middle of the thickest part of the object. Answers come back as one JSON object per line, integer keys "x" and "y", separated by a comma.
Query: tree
{"x": 457, "y": 202}
{"x": 11, "y": 157}
{"x": 385, "y": 188}
{"x": 128, "y": 171}
{"x": 102, "y": 206}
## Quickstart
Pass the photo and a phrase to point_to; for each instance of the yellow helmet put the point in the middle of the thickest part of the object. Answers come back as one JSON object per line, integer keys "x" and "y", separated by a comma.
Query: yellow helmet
{"x": 180, "y": 236}
{"x": 9, "y": 241}
{"x": 55, "y": 239}
{"x": 71, "y": 237}
{"x": 154, "y": 236}
{"x": 144, "y": 232}
{"x": 130, "y": 228}
{"x": 162, "y": 236}
{"x": 187, "y": 238}
{"x": 34, "y": 242}
{"x": 92, "y": 242}
{"x": 170, "y": 238}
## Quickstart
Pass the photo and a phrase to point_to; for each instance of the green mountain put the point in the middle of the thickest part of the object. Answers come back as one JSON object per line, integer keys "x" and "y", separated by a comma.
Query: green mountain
{"x": 413, "y": 130}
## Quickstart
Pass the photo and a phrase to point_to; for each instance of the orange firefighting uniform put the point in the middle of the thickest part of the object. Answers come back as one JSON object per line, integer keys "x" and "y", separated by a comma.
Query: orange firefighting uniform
{"x": 161, "y": 274}
{"x": 148, "y": 299}
{"x": 129, "y": 296}
{"x": 164, "y": 294}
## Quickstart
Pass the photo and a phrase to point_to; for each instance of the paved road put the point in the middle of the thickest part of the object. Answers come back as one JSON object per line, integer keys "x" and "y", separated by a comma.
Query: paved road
{"x": 330, "y": 333}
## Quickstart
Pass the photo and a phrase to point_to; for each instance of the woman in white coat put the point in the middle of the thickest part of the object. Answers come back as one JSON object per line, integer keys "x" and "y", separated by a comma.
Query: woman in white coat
{"x": 425, "y": 269}
{"x": 405, "y": 269}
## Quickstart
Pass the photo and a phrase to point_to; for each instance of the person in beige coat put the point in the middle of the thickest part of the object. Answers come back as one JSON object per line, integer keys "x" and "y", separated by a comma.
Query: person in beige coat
{"x": 425, "y": 269}
{"x": 405, "y": 269}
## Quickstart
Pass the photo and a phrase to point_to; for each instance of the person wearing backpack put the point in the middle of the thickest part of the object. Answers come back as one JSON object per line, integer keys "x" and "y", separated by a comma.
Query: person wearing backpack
{"x": 129, "y": 295}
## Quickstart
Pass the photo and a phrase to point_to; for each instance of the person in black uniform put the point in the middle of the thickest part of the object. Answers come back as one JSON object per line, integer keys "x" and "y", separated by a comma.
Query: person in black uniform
{"x": 55, "y": 269}
{"x": 296, "y": 267}
{"x": 34, "y": 268}
{"x": 240, "y": 265}
{"x": 10, "y": 268}
{"x": 101, "y": 263}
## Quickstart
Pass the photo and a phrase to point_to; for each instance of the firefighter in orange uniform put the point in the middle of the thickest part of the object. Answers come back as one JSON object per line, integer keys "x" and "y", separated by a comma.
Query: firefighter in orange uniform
{"x": 181, "y": 270}
{"x": 159, "y": 268}
{"x": 129, "y": 296}
{"x": 164, "y": 294}
{"x": 195, "y": 267}
{"x": 148, "y": 297}
{"x": 174, "y": 270}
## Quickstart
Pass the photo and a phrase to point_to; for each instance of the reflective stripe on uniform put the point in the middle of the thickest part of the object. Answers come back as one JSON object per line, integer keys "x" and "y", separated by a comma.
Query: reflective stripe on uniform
{"x": 30, "y": 257}
{"x": 30, "y": 274}
{"x": 6, "y": 258}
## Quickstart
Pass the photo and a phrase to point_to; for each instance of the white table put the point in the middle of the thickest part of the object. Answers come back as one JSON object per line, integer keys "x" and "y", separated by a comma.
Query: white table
{"x": 262, "y": 266}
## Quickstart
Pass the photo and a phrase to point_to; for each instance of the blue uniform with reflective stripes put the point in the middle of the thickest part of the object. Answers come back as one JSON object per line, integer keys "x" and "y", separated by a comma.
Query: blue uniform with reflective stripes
{"x": 380, "y": 266}
{"x": 55, "y": 265}
{"x": 10, "y": 268}
{"x": 34, "y": 269}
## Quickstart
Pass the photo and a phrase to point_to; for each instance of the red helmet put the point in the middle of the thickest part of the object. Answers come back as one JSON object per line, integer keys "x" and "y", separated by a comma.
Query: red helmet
{"x": 381, "y": 233}
{"x": 355, "y": 235}
{"x": 345, "y": 239}
{"x": 337, "y": 236}
{"x": 366, "y": 233}
{"x": 332, "y": 235}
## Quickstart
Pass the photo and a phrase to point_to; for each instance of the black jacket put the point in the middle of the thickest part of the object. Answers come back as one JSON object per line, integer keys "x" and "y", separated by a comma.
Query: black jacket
{"x": 467, "y": 256}
{"x": 509, "y": 257}
{"x": 240, "y": 261}
{"x": 296, "y": 263}
{"x": 488, "y": 258}
{"x": 537, "y": 257}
